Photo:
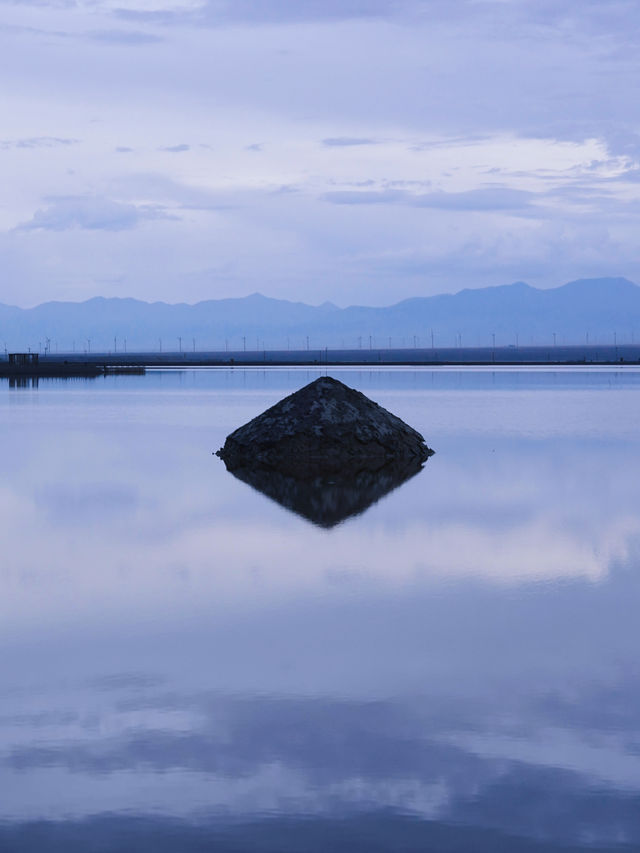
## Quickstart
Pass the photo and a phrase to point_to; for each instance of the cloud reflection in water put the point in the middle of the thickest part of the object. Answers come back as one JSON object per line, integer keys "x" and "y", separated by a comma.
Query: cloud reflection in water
{"x": 454, "y": 669}
{"x": 349, "y": 763}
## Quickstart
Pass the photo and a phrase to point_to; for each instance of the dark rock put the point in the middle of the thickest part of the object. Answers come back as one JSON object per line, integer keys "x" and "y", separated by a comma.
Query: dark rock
{"x": 328, "y": 499}
{"x": 325, "y": 427}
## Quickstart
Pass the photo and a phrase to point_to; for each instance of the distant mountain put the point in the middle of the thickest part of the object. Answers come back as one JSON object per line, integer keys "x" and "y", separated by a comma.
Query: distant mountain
{"x": 602, "y": 309}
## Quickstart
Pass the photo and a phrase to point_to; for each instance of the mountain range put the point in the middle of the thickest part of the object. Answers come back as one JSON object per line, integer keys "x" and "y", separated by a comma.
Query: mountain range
{"x": 597, "y": 311}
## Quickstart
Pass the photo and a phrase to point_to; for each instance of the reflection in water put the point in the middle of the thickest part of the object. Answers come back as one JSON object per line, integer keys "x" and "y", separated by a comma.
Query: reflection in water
{"x": 185, "y": 667}
{"x": 325, "y": 771}
{"x": 23, "y": 381}
{"x": 326, "y": 500}
{"x": 31, "y": 381}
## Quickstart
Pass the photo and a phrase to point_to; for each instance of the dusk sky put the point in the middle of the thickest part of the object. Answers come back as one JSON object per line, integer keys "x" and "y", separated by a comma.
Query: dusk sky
{"x": 358, "y": 151}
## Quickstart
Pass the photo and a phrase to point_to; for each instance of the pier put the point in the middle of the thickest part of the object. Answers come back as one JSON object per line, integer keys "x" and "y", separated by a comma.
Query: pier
{"x": 25, "y": 365}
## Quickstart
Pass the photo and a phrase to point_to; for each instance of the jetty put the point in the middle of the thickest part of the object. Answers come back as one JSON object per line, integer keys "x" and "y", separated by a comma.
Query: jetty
{"x": 31, "y": 365}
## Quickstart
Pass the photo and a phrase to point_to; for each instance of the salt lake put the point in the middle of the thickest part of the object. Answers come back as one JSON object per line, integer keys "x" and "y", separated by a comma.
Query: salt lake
{"x": 187, "y": 664}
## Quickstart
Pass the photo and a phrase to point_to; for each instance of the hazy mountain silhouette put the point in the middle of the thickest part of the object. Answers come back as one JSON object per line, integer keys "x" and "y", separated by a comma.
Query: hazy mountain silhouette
{"x": 599, "y": 308}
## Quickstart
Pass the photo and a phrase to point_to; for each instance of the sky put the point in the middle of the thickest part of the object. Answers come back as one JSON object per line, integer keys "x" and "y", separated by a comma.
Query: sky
{"x": 357, "y": 151}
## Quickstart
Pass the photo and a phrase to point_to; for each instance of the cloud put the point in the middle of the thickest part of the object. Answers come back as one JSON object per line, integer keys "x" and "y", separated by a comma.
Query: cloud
{"x": 106, "y": 36}
{"x": 219, "y": 12}
{"x": 494, "y": 198}
{"x": 51, "y": 4}
{"x": 124, "y": 37}
{"x": 37, "y": 142}
{"x": 142, "y": 7}
{"x": 347, "y": 141}
{"x": 367, "y": 197}
{"x": 305, "y": 10}
{"x": 165, "y": 192}
{"x": 92, "y": 213}
{"x": 505, "y": 18}
{"x": 535, "y": 88}
{"x": 498, "y": 198}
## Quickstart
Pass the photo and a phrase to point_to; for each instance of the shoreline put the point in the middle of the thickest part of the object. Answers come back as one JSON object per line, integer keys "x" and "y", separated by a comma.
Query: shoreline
{"x": 530, "y": 356}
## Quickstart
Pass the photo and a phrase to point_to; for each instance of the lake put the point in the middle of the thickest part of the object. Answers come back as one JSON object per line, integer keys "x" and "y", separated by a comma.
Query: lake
{"x": 190, "y": 665}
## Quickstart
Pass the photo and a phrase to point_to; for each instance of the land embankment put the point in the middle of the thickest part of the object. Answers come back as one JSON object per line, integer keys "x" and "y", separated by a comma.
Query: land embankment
{"x": 427, "y": 356}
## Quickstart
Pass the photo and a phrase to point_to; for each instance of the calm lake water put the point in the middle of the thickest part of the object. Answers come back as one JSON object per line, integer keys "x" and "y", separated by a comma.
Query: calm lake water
{"x": 187, "y": 665}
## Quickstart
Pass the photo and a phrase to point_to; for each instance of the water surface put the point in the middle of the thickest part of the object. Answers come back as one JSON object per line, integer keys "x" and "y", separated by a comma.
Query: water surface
{"x": 188, "y": 665}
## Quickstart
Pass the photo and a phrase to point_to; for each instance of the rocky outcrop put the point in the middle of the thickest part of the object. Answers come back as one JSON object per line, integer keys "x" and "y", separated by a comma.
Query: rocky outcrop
{"x": 324, "y": 427}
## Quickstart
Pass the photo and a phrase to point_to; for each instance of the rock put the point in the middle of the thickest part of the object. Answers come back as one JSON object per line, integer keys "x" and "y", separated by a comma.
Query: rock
{"x": 324, "y": 427}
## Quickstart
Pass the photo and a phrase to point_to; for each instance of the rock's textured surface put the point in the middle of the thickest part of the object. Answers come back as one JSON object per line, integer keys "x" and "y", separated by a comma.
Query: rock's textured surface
{"x": 324, "y": 427}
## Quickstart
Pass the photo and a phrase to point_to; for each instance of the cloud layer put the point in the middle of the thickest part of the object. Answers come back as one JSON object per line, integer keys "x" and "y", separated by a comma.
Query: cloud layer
{"x": 89, "y": 212}
{"x": 359, "y": 151}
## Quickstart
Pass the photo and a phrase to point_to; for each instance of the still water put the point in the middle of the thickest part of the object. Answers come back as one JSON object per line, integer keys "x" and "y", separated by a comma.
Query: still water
{"x": 190, "y": 664}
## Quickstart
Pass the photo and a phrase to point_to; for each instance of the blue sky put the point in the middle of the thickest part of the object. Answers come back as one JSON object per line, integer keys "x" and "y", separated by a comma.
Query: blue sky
{"x": 360, "y": 151}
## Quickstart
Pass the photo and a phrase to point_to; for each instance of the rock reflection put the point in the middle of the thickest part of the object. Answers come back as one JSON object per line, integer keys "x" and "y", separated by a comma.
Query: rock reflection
{"x": 327, "y": 500}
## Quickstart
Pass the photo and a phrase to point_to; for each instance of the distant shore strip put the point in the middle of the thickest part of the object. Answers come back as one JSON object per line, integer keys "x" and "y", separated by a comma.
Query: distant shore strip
{"x": 108, "y": 362}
